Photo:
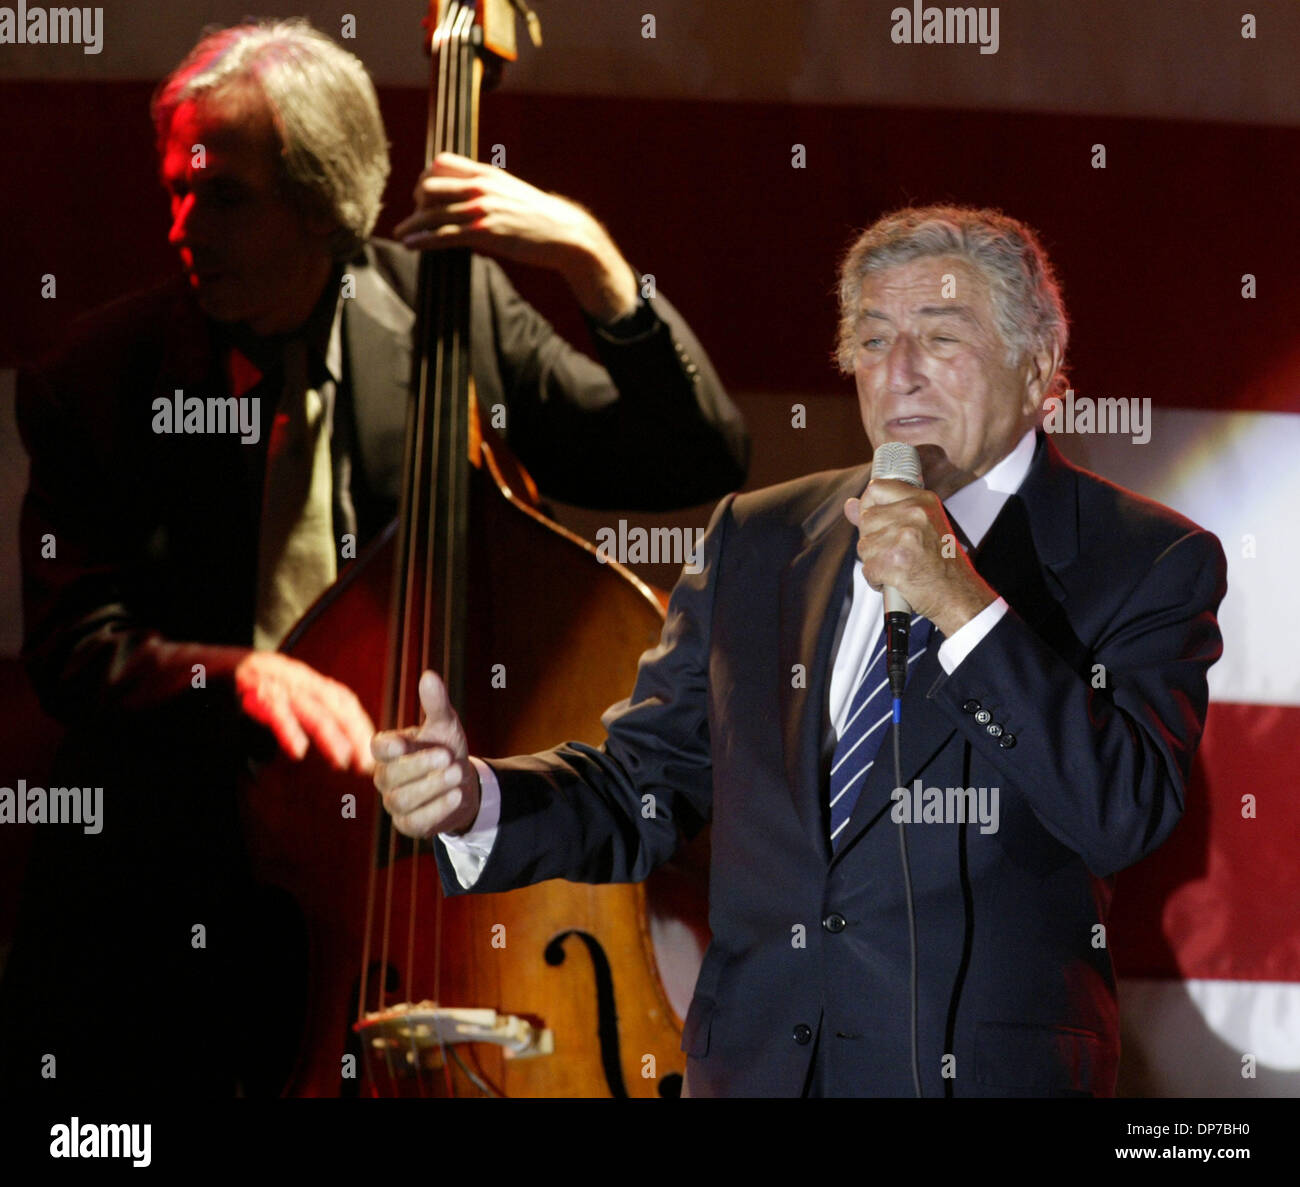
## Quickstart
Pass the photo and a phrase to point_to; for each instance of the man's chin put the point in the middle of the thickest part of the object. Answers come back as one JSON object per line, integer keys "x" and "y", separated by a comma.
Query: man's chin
{"x": 940, "y": 475}
{"x": 218, "y": 305}
{"x": 933, "y": 457}
{"x": 937, "y": 471}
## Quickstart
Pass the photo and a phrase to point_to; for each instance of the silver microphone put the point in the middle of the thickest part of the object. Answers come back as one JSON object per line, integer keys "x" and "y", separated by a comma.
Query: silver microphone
{"x": 899, "y": 462}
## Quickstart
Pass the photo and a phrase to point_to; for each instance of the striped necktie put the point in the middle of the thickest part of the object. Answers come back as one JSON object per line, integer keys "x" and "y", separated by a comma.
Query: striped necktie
{"x": 869, "y": 717}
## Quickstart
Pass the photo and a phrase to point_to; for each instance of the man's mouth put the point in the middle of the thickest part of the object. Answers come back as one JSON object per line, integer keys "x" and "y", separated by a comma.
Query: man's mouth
{"x": 911, "y": 422}
{"x": 201, "y": 272}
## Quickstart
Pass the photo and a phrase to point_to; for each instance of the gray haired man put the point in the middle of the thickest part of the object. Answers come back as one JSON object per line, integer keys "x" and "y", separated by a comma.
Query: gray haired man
{"x": 837, "y": 967}
{"x": 181, "y": 561}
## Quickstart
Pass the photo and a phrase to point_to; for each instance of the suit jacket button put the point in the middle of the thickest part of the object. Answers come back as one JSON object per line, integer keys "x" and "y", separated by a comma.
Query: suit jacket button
{"x": 803, "y": 1034}
{"x": 993, "y": 729}
{"x": 983, "y": 717}
{"x": 1007, "y": 741}
{"x": 834, "y": 923}
{"x": 969, "y": 706}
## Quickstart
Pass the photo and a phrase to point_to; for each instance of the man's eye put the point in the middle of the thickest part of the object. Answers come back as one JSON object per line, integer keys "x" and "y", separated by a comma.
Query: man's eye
{"x": 941, "y": 338}
{"x": 224, "y": 194}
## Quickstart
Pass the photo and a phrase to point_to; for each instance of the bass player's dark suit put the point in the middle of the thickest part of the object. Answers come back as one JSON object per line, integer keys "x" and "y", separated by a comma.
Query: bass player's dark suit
{"x": 1095, "y": 680}
{"x": 175, "y": 517}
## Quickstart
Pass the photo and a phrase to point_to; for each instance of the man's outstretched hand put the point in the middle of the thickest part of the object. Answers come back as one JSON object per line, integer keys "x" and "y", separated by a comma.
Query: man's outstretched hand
{"x": 424, "y": 773}
{"x": 302, "y": 707}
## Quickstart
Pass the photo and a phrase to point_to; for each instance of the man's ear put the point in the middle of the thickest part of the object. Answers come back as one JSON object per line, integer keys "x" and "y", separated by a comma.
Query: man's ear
{"x": 314, "y": 212}
{"x": 1039, "y": 370}
{"x": 320, "y": 224}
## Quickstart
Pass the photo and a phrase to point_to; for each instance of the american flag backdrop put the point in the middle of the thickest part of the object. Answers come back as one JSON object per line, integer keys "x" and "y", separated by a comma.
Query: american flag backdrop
{"x": 682, "y": 143}
{"x": 1206, "y": 931}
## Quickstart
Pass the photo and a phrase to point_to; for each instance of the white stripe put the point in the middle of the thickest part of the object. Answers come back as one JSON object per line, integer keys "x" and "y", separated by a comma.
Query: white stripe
{"x": 861, "y": 675}
{"x": 1193, "y": 458}
{"x": 872, "y": 696}
{"x": 1187, "y": 1038}
{"x": 862, "y": 739}
{"x": 865, "y": 702}
{"x": 859, "y": 742}
{"x": 851, "y": 782}
{"x": 855, "y": 778}
{"x": 837, "y": 832}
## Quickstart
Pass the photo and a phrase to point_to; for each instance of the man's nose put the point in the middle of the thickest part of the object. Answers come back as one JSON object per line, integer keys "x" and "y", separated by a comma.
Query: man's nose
{"x": 903, "y": 368}
{"x": 182, "y": 232}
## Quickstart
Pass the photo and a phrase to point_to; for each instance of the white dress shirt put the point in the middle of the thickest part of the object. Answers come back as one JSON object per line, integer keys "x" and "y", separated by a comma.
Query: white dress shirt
{"x": 862, "y": 618}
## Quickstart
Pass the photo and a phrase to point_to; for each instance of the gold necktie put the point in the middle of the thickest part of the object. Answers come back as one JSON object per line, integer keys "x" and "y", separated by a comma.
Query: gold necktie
{"x": 296, "y": 558}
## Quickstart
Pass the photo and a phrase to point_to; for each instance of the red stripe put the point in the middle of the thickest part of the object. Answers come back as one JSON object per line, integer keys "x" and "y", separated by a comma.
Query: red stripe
{"x": 1221, "y": 898}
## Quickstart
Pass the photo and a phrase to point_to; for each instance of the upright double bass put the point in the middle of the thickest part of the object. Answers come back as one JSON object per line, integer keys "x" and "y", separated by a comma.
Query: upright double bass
{"x": 553, "y": 990}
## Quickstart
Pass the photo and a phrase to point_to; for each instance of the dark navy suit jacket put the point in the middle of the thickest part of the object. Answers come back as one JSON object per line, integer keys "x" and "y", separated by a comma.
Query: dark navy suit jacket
{"x": 1097, "y": 674}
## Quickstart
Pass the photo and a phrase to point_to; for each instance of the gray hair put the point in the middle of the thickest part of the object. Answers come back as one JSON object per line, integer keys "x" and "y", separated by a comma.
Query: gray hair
{"x": 333, "y": 151}
{"x": 1023, "y": 289}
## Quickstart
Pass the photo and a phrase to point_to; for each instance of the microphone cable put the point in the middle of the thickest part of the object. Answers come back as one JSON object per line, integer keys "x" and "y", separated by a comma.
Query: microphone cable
{"x": 911, "y": 908}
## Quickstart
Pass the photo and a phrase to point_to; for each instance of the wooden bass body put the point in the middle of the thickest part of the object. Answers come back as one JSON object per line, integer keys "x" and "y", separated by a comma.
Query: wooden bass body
{"x": 553, "y": 640}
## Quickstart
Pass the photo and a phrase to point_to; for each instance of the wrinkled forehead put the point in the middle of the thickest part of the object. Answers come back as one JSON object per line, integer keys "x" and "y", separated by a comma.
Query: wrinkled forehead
{"x": 927, "y": 286}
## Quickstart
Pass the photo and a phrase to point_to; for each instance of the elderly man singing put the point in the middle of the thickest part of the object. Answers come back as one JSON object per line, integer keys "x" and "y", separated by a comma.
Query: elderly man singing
{"x": 876, "y": 932}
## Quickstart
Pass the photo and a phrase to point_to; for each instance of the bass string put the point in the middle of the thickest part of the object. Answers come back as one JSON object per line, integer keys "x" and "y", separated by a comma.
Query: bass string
{"x": 423, "y": 492}
{"x": 441, "y": 554}
{"x": 441, "y": 557}
{"x": 453, "y": 464}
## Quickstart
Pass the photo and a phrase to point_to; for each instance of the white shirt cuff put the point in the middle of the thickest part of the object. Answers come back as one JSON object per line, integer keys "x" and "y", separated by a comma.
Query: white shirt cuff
{"x": 953, "y": 651}
{"x": 468, "y": 853}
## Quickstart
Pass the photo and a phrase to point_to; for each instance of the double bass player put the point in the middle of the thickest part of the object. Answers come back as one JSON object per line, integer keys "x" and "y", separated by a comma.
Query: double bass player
{"x": 151, "y": 631}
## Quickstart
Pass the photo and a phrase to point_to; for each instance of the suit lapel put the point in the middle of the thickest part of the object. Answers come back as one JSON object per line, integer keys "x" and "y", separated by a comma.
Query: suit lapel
{"x": 1034, "y": 538}
{"x": 377, "y": 327}
{"x": 193, "y": 361}
{"x": 813, "y": 587}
